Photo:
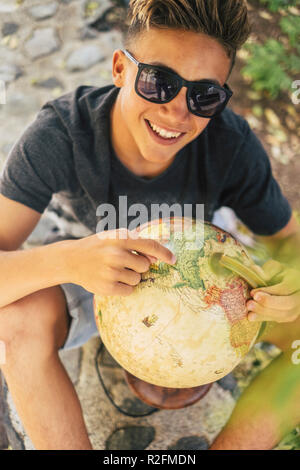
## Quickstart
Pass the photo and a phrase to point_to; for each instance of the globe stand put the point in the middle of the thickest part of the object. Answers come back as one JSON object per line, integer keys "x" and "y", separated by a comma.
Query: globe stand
{"x": 164, "y": 397}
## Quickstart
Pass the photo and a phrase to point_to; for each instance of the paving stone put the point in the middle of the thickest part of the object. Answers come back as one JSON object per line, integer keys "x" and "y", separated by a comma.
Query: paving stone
{"x": 116, "y": 386}
{"x": 116, "y": 17}
{"x": 50, "y": 83}
{"x": 191, "y": 443}
{"x": 7, "y": 6}
{"x": 94, "y": 10}
{"x": 3, "y": 437}
{"x": 41, "y": 12}
{"x": 108, "y": 361}
{"x": 110, "y": 41}
{"x": 18, "y": 104}
{"x": 6, "y": 148}
{"x": 136, "y": 407}
{"x": 113, "y": 17}
{"x": 110, "y": 429}
{"x": 43, "y": 41}
{"x": 88, "y": 33}
{"x": 10, "y": 72}
{"x": 268, "y": 347}
{"x": 84, "y": 58}
{"x": 64, "y": 219}
{"x": 131, "y": 438}
{"x": 228, "y": 382}
{"x": 9, "y": 28}
{"x": 204, "y": 418}
{"x": 42, "y": 231}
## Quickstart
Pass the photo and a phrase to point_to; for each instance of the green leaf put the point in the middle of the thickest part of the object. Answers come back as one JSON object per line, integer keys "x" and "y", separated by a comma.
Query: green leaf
{"x": 268, "y": 67}
{"x": 275, "y": 5}
{"x": 290, "y": 442}
{"x": 290, "y": 25}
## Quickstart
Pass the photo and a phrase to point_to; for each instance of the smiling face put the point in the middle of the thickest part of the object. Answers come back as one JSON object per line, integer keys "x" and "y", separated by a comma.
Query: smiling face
{"x": 194, "y": 57}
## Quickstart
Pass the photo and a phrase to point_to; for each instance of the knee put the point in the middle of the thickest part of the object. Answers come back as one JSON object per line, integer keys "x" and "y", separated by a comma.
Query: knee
{"x": 32, "y": 323}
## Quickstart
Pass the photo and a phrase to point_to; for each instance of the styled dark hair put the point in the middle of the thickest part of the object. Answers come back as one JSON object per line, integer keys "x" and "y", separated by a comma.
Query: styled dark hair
{"x": 225, "y": 20}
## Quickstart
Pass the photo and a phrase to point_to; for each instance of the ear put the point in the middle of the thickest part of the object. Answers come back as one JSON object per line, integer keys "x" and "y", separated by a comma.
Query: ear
{"x": 118, "y": 68}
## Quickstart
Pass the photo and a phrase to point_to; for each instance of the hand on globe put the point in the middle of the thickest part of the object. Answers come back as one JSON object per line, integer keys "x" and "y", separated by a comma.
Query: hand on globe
{"x": 185, "y": 325}
{"x": 112, "y": 262}
{"x": 279, "y": 302}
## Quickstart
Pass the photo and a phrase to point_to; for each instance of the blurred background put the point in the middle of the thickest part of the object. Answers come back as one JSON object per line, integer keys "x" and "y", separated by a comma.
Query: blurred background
{"x": 49, "y": 47}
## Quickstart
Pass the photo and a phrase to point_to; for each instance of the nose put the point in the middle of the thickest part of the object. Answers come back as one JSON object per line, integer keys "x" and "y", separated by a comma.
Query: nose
{"x": 178, "y": 106}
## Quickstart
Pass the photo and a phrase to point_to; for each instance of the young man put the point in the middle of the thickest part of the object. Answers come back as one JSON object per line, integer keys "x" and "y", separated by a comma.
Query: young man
{"x": 154, "y": 138}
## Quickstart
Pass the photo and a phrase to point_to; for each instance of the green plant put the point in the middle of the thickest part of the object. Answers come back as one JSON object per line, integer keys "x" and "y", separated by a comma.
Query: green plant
{"x": 291, "y": 441}
{"x": 271, "y": 65}
{"x": 290, "y": 25}
{"x": 267, "y": 67}
{"x": 275, "y": 5}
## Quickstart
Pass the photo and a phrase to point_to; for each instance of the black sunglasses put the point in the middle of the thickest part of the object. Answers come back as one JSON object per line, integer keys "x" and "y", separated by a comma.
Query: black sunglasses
{"x": 159, "y": 85}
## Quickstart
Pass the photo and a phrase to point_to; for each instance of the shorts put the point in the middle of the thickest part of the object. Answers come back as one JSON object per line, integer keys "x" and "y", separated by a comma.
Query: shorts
{"x": 81, "y": 310}
{"x": 80, "y": 302}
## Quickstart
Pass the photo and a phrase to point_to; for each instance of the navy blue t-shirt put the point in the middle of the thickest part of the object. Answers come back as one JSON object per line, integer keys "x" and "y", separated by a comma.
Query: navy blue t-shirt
{"x": 66, "y": 155}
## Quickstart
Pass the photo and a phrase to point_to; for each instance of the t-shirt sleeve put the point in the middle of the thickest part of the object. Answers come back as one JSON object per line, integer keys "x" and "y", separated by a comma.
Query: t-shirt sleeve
{"x": 252, "y": 192}
{"x": 38, "y": 164}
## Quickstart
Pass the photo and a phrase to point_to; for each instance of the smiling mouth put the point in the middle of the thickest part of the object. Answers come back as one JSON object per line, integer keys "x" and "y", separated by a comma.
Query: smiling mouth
{"x": 162, "y": 134}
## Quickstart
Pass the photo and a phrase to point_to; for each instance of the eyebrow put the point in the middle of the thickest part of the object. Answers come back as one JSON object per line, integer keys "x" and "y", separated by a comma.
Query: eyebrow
{"x": 159, "y": 64}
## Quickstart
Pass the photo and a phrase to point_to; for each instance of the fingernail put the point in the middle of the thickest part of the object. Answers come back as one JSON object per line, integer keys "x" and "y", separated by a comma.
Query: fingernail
{"x": 252, "y": 317}
{"x": 257, "y": 297}
{"x": 173, "y": 259}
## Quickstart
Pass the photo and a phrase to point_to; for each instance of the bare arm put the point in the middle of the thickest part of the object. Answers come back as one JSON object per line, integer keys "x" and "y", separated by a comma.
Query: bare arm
{"x": 107, "y": 265}
{"x": 25, "y": 271}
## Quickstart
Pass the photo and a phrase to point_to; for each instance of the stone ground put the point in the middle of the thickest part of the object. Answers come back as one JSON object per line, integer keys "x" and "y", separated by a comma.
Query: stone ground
{"x": 42, "y": 56}
{"x": 192, "y": 428}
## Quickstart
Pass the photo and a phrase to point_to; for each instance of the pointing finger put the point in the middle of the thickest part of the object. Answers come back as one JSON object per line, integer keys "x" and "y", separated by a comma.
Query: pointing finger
{"x": 150, "y": 247}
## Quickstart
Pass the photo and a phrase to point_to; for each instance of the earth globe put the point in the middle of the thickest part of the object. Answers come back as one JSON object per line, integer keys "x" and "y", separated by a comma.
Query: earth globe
{"x": 185, "y": 325}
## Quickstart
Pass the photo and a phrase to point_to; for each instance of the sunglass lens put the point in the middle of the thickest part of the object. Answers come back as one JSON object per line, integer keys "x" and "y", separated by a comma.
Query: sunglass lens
{"x": 156, "y": 85}
{"x": 206, "y": 100}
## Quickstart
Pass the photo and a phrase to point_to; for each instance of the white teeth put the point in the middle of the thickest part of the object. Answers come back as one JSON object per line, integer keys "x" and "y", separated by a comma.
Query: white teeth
{"x": 163, "y": 132}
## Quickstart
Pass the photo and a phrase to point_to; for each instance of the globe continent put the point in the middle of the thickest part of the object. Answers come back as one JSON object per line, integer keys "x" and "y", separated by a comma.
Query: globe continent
{"x": 186, "y": 324}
